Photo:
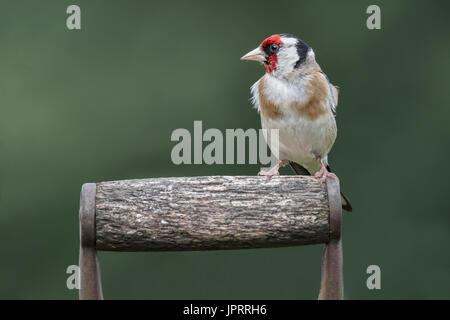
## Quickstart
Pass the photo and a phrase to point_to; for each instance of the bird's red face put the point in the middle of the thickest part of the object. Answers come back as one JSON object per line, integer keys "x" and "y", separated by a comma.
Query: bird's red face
{"x": 280, "y": 54}
{"x": 266, "y": 52}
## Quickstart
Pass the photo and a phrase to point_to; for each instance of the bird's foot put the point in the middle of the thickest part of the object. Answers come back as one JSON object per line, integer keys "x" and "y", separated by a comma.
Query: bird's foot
{"x": 323, "y": 174}
{"x": 269, "y": 174}
{"x": 274, "y": 171}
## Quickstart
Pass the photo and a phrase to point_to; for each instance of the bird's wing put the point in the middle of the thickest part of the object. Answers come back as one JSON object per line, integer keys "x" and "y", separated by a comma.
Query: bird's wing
{"x": 299, "y": 169}
{"x": 334, "y": 93}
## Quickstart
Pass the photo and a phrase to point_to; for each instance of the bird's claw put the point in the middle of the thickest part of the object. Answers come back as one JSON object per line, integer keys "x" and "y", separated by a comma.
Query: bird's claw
{"x": 323, "y": 174}
{"x": 269, "y": 174}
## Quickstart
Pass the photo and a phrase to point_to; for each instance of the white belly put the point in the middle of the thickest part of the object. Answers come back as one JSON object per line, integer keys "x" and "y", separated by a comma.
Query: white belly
{"x": 302, "y": 140}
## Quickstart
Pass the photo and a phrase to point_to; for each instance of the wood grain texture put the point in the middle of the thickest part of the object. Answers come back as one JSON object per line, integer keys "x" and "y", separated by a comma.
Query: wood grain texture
{"x": 208, "y": 213}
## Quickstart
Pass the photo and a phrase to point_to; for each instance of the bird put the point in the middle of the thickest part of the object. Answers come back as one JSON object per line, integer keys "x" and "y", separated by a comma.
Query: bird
{"x": 295, "y": 97}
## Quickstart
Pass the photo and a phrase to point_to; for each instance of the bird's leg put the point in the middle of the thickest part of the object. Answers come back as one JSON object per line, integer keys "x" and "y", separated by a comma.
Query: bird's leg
{"x": 274, "y": 170}
{"x": 323, "y": 173}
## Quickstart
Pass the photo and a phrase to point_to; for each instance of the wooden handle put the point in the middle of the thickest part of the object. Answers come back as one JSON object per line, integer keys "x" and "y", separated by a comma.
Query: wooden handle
{"x": 206, "y": 213}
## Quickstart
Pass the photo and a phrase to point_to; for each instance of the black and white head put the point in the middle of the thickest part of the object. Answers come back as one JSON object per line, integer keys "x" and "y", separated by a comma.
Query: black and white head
{"x": 281, "y": 54}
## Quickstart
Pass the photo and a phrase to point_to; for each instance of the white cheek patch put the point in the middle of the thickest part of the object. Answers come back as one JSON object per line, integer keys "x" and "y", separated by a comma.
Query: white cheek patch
{"x": 287, "y": 57}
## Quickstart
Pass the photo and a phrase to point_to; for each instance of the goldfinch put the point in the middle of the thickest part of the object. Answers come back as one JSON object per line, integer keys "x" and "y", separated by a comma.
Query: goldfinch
{"x": 296, "y": 97}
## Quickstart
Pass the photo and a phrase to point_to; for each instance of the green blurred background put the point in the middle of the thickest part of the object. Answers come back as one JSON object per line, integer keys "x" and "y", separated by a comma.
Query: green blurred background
{"x": 100, "y": 104}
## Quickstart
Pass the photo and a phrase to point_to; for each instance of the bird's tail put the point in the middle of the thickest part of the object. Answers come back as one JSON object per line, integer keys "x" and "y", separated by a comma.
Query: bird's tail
{"x": 300, "y": 170}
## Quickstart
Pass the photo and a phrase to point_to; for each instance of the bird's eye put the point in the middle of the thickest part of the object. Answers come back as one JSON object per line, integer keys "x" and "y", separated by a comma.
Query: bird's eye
{"x": 274, "y": 48}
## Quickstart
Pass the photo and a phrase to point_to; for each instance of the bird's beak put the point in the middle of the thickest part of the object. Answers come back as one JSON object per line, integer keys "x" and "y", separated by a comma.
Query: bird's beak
{"x": 255, "y": 55}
